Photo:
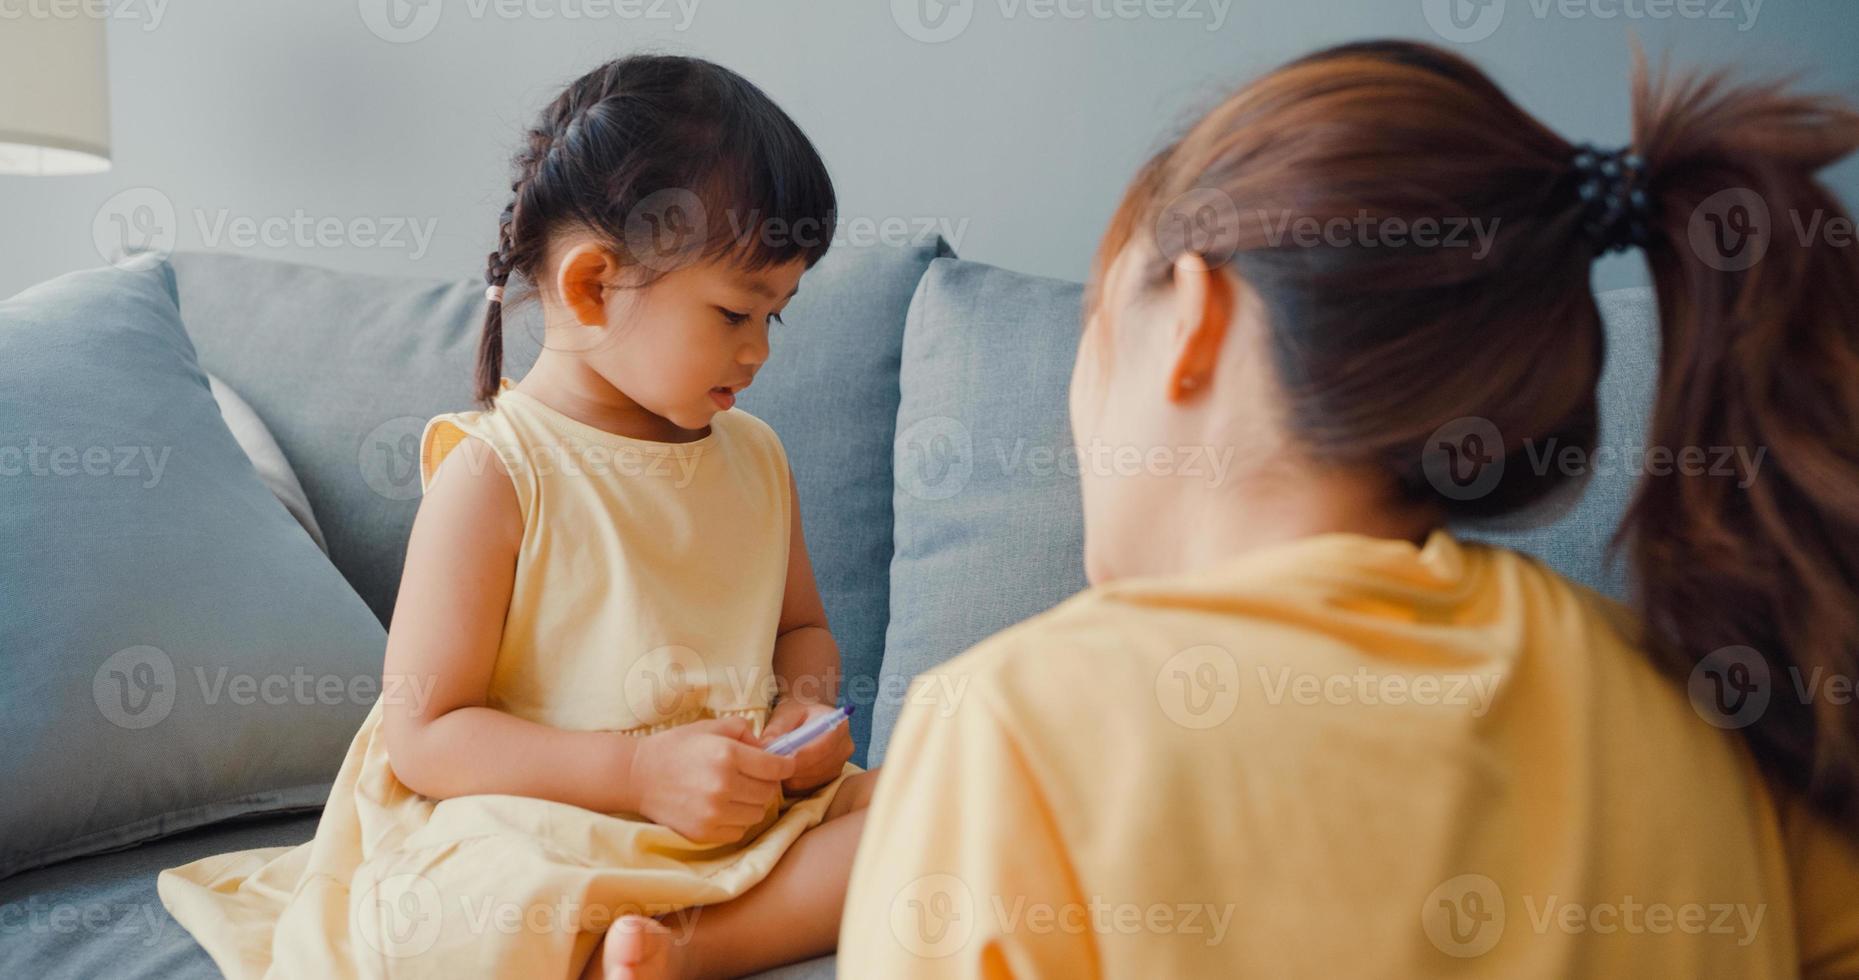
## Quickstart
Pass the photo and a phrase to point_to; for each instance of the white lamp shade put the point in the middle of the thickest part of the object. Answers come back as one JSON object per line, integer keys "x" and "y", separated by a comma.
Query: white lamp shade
{"x": 54, "y": 93}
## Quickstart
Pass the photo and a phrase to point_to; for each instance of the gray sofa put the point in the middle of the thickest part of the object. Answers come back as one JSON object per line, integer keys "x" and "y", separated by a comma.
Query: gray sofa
{"x": 922, "y": 401}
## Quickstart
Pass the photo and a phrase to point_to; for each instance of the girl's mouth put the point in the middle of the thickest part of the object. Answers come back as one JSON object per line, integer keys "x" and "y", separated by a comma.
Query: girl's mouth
{"x": 724, "y": 397}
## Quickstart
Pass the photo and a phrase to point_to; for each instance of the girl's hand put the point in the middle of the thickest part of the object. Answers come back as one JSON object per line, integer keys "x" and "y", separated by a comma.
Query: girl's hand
{"x": 819, "y": 762}
{"x": 707, "y": 780}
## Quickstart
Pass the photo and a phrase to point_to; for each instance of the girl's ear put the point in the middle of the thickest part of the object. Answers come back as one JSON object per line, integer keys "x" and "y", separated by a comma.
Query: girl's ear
{"x": 1203, "y": 305}
{"x": 582, "y": 282}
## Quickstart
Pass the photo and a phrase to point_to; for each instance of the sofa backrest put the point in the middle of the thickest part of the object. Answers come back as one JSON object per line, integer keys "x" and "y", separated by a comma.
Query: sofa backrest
{"x": 922, "y": 400}
{"x": 346, "y": 369}
{"x": 987, "y": 515}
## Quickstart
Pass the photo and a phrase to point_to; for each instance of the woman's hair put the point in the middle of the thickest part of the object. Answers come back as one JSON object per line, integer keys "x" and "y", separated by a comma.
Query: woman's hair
{"x": 1377, "y": 346}
{"x": 669, "y": 161}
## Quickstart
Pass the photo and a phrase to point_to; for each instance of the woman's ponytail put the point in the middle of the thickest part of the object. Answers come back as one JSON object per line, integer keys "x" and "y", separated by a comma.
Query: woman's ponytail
{"x": 1749, "y": 573}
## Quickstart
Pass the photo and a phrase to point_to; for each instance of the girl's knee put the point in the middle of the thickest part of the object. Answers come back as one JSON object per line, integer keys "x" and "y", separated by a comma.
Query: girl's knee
{"x": 854, "y": 793}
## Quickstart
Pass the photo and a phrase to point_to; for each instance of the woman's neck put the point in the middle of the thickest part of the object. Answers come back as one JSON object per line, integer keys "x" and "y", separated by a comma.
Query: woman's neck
{"x": 1267, "y": 519}
{"x": 1263, "y": 510}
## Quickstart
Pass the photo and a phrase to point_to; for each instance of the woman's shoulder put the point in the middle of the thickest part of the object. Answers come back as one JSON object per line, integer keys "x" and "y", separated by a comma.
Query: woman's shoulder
{"x": 1328, "y": 621}
{"x": 1061, "y": 660}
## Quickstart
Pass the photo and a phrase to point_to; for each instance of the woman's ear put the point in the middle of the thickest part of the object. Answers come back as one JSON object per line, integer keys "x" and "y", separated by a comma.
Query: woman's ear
{"x": 1203, "y": 306}
{"x": 582, "y": 282}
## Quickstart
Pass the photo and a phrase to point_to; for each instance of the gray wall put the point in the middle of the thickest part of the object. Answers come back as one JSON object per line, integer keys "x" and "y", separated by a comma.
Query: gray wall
{"x": 1013, "y": 138}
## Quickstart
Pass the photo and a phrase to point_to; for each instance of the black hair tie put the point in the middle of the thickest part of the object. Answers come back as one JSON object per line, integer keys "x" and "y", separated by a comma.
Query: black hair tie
{"x": 1617, "y": 211}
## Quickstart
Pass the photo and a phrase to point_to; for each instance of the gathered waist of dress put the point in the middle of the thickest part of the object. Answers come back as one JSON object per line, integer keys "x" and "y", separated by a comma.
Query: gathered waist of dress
{"x": 757, "y": 718}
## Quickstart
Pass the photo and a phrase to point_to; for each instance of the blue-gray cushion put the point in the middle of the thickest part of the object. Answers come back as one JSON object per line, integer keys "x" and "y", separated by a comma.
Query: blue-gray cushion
{"x": 987, "y": 522}
{"x": 347, "y": 368}
{"x": 273, "y": 469}
{"x": 830, "y": 391}
{"x": 987, "y": 516}
{"x": 177, "y": 650}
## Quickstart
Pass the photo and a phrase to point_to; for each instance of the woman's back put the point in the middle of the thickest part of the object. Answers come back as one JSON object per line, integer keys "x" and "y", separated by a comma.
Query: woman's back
{"x": 1344, "y": 756}
{"x": 1381, "y": 758}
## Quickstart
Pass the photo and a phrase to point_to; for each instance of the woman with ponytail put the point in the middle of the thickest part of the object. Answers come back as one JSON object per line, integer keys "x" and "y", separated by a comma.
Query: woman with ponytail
{"x": 1299, "y": 728}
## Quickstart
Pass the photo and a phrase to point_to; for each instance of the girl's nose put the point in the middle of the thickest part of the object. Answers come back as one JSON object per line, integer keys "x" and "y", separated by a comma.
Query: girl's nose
{"x": 755, "y": 351}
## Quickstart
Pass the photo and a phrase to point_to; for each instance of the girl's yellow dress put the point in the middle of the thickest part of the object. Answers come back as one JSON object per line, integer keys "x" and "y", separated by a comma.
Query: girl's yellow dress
{"x": 647, "y": 594}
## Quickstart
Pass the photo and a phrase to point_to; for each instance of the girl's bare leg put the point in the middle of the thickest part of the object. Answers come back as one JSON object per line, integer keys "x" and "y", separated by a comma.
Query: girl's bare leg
{"x": 791, "y": 915}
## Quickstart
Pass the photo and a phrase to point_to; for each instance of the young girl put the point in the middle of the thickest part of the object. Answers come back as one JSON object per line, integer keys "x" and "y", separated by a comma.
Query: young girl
{"x": 607, "y": 609}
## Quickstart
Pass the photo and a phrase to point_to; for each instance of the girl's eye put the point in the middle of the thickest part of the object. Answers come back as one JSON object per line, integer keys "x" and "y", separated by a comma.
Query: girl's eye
{"x": 736, "y": 319}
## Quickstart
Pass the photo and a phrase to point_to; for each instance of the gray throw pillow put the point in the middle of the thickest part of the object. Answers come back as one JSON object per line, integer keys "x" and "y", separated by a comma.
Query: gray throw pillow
{"x": 266, "y": 457}
{"x": 988, "y": 530}
{"x": 174, "y": 650}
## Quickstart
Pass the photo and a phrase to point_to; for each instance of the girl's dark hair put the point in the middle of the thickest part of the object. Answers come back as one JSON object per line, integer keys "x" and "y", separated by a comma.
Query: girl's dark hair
{"x": 670, "y": 160}
{"x": 1376, "y": 349}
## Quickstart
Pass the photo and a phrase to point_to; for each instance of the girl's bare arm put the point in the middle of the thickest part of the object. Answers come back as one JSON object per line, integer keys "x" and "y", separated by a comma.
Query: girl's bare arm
{"x": 442, "y": 739}
{"x": 806, "y": 658}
